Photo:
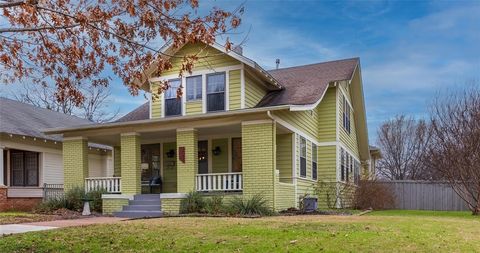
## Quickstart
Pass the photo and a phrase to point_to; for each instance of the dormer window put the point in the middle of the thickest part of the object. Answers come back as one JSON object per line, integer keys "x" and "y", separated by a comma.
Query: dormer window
{"x": 194, "y": 88}
{"x": 173, "y": 105}
{"x": 216, "y": 92}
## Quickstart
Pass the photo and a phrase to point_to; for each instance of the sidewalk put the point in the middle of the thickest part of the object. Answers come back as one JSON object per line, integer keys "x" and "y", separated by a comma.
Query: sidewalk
{"x": 47, "y": 225}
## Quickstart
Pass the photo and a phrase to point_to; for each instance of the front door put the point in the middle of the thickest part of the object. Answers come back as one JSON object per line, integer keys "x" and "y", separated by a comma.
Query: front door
{"x": 151, "y": 176}
{"x": 202, "y": 157}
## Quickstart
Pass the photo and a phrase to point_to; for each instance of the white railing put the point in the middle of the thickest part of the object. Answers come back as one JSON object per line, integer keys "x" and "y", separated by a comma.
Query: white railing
{"x": 110, "y": 184}
{"x": 219, "y": 182}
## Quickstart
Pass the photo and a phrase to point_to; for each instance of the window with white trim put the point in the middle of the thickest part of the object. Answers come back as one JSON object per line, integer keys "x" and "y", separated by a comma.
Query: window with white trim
{"x": 194, "y": 88}
{"x": 216, "y": 92}
{"x": 173, "y": 104}
{"x": 349, "y": 167}
{"x": 346, "y": 115}
{"x": 314, "y": 162}
{"x": 303, "y": 157}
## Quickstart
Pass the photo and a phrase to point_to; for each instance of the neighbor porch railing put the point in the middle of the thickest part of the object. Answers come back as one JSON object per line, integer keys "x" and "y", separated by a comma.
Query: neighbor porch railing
{"x": 109, "y": 184}
{"x": 219, "y": 182}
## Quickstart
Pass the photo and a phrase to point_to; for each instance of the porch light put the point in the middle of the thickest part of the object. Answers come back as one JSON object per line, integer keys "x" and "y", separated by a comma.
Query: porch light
{"x": 217, "y": 151}
{"x": 170, "y": 153}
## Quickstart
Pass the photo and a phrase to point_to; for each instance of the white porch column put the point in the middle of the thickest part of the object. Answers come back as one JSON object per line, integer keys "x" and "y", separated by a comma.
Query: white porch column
{"x": 1, "y": 167}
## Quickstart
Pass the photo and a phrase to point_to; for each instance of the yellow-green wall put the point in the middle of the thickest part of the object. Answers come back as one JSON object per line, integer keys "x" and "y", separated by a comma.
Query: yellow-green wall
{"x": 234, "y": 90}
{"x": 193, "y": 107}
{"x": 284, "y": 157}
{"x": 169, "y": 168}
{"x": 254, "y": 92}
{"x": 348, "y": 139}
{"x": 220, "y": 162}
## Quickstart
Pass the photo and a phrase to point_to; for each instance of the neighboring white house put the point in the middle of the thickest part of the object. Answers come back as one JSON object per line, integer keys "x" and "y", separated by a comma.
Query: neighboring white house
{"x": 29, "y": 159}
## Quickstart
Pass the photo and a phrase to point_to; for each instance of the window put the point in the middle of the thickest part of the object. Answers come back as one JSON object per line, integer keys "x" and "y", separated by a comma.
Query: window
{"x": 303, "y": 157}
{"x": 173, "y": 105}
{"x": 194, "y": 88}
{"x": 346, "y": 115}
{"x": 314, "y": 161}
{"x": 216, "y": 92}
{"x": 349, "y": 167}
{"x": 24, "y": 166}
{"x": 356, "y": 172}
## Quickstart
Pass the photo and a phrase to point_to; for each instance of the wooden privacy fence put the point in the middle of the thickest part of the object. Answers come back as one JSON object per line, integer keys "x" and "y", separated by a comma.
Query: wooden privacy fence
{"x": 425, "y": 195}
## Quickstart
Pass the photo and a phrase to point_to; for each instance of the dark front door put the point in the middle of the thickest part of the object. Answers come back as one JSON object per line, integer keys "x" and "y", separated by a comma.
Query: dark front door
{"x": 202, "y": 157}
{"x": 151, "y": 177}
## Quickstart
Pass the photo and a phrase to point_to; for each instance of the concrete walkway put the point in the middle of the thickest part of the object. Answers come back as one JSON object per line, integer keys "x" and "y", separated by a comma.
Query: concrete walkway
{"x": 46, "y": 225}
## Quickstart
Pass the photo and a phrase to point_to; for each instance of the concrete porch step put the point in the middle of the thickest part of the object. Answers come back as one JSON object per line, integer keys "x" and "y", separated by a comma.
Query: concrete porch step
{"x": 142, "y": 208}
{"x": 138, "y": 214}
{"x": 144, "y": 202}
{"x": 147, "y": 197}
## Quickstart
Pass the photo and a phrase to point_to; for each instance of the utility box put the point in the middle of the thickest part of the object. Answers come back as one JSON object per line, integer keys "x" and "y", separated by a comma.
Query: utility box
{"x": 310, "y": 204}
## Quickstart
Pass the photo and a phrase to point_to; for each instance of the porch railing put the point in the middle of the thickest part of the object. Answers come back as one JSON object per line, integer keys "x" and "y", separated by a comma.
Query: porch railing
{"x": 219, "y": 182}
{"x": 109, "y": 184}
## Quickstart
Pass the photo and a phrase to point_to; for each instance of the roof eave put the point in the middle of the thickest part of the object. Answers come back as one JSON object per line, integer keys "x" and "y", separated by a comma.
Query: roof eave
{"x": 63, "y": 130}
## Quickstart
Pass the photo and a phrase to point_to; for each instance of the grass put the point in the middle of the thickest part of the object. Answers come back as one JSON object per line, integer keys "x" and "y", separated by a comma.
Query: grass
{"x": 379, "y": 232}
{"x": 20, "y": 217}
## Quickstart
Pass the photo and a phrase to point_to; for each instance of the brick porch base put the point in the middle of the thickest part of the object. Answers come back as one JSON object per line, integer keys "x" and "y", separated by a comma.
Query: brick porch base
{"x": 17, "y": 204}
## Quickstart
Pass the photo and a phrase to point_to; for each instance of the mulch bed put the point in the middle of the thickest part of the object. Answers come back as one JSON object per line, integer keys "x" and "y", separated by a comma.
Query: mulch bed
{"x": 60, "y": 214}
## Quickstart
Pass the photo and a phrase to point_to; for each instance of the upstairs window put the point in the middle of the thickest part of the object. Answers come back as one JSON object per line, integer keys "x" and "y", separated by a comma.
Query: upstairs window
{"x": 173, "y": 105}
{"x": 346, "y": 115}
{"x": 194, "y": 88}
{"x": 303, "y": 157}
{"x": 216, "y": 92}
{"x": 314, "y": 161}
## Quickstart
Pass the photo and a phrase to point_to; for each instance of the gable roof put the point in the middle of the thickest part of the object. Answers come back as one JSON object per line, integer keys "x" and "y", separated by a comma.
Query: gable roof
{"x": 169, "y": 49}
{"x": 304, "y": 85}
{"x": 23, "y": 119}
{"x": 301, "y": 85}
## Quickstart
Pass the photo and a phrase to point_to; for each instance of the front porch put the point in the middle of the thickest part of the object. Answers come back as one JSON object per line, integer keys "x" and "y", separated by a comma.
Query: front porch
{"x": 237, "y": 158}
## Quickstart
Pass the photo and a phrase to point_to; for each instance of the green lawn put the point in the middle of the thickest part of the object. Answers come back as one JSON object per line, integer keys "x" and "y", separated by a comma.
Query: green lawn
{"x": 20, "y": 217}
{"x": 387, "y": 231}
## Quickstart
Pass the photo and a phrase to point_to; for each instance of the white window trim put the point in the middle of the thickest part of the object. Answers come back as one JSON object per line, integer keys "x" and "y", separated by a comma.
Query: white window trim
{"x": 300, "y": 157}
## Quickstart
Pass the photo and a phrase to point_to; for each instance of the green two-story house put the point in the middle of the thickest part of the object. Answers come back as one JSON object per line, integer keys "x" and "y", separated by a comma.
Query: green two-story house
{"x": 237, "y": 130}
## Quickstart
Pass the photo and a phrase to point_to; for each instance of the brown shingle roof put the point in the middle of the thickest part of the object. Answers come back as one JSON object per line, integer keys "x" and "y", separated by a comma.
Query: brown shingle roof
{"x": 302, "y": 85}
{"x": 140, "y": 113}
{"x": 306, "y": 84}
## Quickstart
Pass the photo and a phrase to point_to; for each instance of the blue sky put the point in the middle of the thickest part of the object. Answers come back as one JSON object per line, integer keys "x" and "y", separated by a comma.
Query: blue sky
{"x": 409, "y": 50}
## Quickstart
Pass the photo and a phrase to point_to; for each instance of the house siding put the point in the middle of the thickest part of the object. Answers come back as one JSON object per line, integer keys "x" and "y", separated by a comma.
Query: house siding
{"x": 347, "y": 139}
{"x": 306, "y": 121}
{"x": 284, "y": 157}
{"x": 193, "y": 107}
{"x": 220, "y": 162}
{"x": 209, "y": 58}
{"x": 234, "y": 90}
{"x": 156, "y": 103}
{"x": 253, "y": 91}
{"x": 326, "y": 111}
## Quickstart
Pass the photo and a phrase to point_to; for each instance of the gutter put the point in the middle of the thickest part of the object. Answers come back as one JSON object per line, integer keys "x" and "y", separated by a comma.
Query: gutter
{"x": 62, "y": 130}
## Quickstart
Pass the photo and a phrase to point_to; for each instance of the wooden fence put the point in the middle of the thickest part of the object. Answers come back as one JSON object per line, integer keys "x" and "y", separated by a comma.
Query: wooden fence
{"x": 425, "y": 195}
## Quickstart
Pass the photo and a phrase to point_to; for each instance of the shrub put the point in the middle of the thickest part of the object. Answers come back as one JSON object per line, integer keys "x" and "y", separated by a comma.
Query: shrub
{"x": 375, "y": 195}
{"x": 51, "y": 205}
{"x": 256, "y": 205}
{"x": 214, "y": 205}
{"x": 74, "y": 199}
{"x": 193, "y": 203}
{"x": 96, "y": 199}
